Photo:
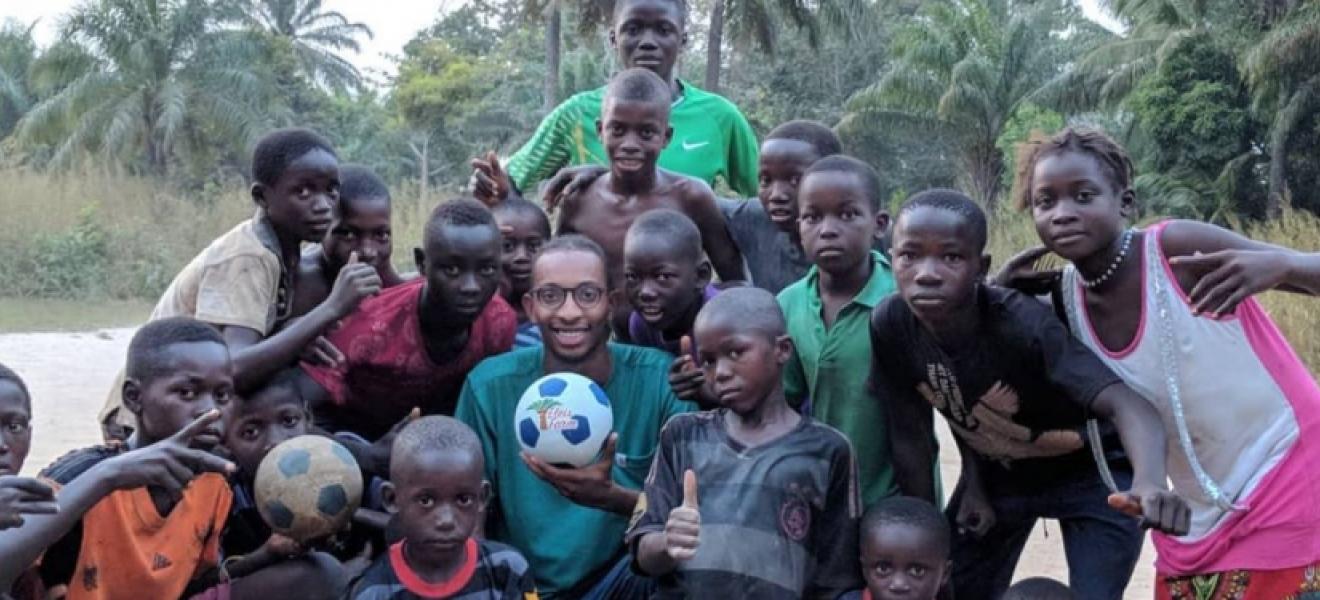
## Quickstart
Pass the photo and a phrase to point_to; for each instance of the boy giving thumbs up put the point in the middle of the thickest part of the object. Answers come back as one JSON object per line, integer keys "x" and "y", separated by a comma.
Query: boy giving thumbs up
{"x": 777, "y": 509}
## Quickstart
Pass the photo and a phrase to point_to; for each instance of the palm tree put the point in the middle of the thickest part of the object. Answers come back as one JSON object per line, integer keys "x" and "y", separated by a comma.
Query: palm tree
{"x": 963, "y": 68}
{"x": 1110, "y": 72}
{"x": 755, "y": 22}
{"x": 17, "y": 53}
{"x": 1283, "y": 70}
{"x": 315, "y": 36}
{"x": 138, "y": 77}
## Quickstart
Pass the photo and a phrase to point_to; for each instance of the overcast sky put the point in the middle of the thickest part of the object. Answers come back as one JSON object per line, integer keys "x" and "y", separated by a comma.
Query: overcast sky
{"x": 393, "y": 21}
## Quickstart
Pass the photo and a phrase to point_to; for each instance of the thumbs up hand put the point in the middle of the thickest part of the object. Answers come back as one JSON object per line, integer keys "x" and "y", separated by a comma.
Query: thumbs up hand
{"x": 684, "y": 377}
{"x": 683, "y": 530}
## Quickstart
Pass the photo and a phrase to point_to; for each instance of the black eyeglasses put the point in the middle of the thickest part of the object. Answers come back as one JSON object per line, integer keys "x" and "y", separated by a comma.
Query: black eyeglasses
{"x": 587, "y": 295}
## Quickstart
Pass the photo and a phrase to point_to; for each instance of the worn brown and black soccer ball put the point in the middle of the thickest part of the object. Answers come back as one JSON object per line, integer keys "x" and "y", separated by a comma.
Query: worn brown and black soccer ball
{"x": 308, "y": 487}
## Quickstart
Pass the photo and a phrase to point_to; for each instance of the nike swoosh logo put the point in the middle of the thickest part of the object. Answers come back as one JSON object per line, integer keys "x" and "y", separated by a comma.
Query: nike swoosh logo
{"x": 690, "y": 146}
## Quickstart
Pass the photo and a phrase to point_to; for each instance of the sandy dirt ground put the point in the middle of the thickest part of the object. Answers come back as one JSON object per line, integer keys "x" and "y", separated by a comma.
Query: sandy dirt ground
{"x": 70, "y": 373}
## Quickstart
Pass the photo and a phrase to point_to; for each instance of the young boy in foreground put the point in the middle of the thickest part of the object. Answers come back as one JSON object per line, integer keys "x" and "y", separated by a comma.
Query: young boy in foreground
{"x": 438, "y": 494}
{"x": 1016, "y": 389}
{"x": 141, "y": 521}
{"x": 905, "y": 550}
{"x": 829, "y": 309}
{"x": 242, "y": 283}
{"x": 361, "y": 225}
{"x": 776, "y": 512}
{"x": 634, "y": 128}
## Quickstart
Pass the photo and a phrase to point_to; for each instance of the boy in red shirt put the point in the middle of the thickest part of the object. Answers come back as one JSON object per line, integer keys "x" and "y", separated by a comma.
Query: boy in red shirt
{"x": 413, "y": 345}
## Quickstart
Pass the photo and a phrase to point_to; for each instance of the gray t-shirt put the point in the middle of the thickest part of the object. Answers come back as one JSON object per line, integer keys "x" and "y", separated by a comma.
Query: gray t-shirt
{"x": 773, "y": 259}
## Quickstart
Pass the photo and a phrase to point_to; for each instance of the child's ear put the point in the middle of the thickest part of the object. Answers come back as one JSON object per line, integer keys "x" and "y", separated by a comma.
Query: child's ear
{"x": 614, "y": 39}
{"x": 783, "y": 349}
{"x": 132, "y": 396}
{"x": 486, "y": 492}
{"x": 419, "y": 259}
{"x": 599, "y": 130}
{"x": 986, "y": 259}
{"x": 389, "y": 498}
{"x": 259, "y": 194}
{"x": 1127, "y": 204}
{"x": 669, "y": 135}
{"x": 704, "y": 274}
{"x": 882, "y": 222}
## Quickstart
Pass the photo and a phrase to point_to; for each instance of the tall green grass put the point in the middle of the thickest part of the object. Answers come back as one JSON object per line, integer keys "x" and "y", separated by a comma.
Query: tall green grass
{"x": 96, "y": 236}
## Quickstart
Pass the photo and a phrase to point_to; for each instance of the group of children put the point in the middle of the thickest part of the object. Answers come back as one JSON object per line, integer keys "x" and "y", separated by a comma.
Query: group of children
{"x": 773, "y": 431}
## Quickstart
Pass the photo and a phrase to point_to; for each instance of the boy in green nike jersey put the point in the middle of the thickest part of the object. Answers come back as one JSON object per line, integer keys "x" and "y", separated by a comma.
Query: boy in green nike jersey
{"x": 634, "y": 127}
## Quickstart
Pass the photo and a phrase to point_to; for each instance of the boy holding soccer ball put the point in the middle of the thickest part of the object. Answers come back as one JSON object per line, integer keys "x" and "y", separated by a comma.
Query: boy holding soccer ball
{"x": 569, "y": 522}
{"x": 775, "y": 513}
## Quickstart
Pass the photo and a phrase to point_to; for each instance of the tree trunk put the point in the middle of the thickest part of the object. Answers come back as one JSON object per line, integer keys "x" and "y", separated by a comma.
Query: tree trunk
{"x": 714, "y": 46}
{"x": 553, "y": 20}
{"x": 1297, "y": 106}
{"x": 984, "y": 167}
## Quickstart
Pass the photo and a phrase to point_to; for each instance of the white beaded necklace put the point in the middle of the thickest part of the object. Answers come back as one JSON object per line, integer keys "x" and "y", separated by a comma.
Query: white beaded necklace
{"x": 1113, "y": 266}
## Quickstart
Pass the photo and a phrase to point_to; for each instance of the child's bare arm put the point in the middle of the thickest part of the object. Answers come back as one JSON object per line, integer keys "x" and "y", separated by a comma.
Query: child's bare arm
{"x": 911, "y": 435}
{"x": 1219, "y": 268}
{"x": 256, "y": 359}
{"x": 1142, "y": 432}
{"x": 699, "y": 204}
{"x": 168, "y": 465}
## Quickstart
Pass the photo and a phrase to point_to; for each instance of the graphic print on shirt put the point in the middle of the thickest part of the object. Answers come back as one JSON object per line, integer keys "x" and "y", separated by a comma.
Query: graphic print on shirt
{"x": 988, "y": 427}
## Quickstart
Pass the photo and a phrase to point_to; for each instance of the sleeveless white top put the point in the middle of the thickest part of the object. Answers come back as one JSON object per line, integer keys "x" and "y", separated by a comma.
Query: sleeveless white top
{"x": 1245, "y": 399}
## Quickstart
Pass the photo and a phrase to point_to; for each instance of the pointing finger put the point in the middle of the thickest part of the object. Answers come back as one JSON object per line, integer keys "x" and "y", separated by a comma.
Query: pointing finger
{"x": 185, "y": 435}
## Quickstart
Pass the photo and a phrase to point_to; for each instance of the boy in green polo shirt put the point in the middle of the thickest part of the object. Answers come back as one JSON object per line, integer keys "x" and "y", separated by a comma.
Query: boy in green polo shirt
{"x": 570, "y": 523}
{"x": 829, "y": 311}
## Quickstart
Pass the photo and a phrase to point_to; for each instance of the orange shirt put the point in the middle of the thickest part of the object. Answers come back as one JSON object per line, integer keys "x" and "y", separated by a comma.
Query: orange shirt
{"x": 130, "y": 551}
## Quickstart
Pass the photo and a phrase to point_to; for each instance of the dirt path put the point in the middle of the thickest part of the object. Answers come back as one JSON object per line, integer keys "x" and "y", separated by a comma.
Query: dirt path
{"x": 70, "y": 373}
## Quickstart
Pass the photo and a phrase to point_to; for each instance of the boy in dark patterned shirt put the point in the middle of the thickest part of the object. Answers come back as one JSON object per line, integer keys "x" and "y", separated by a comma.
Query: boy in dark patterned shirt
{"x": 437, "y": 494}
{"x": 777, "y": 513}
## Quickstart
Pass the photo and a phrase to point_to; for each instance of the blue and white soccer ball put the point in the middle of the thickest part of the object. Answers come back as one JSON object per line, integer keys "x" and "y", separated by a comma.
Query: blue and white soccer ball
{"x": 564, "y": 419}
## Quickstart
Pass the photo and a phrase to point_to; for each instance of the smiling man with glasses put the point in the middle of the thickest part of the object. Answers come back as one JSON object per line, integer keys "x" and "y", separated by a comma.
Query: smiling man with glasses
{"x": 569, "y": 522}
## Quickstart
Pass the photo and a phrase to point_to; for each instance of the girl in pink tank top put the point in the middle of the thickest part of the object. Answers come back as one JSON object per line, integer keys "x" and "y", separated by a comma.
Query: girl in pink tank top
{"x": 1169, "y": 309}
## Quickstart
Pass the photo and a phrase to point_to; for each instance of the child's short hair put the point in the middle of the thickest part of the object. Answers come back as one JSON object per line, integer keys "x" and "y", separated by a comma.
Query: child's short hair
{"x": 278, "y": 148}
{"x": 1039, "y": 588}
{"x": 673, "y": 226}
{"x": 149, "y": 351}
{"x": 815, "y": 133}
{"x": 289, "y": 381}
{"x": 756, "y": 310}
{"x": 955, "y": 202}
{"x": 912, "y": 512}
{"x": 681, "y": 5}
{"x": 359, "y": 182}
{"x": 434, "y": 433}
{"x": 519, "y": 205}
{"x": 840, "y": 163}
{"x": 1110, "y": 154}
{"x": 574, "y": 242}
{"x": 461, "y": 212}
{"x": 638, "y": 85}
{"x": 8, "y": 374}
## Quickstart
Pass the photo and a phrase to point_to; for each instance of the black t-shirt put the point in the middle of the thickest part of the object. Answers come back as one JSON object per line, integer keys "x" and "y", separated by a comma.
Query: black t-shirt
{"x": 1017, "y": 393}
{"x": 777, "y": 521}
